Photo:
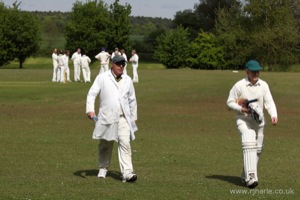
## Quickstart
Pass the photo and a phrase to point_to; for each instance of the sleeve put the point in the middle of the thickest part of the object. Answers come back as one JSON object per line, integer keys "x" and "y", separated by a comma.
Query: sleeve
{"x": 269, "y": 102}
{"x": 97, "y": 56}
{"x": 132, "y": 102}
{"x": 232, "y": 99}
{"x": 92, "y": 94}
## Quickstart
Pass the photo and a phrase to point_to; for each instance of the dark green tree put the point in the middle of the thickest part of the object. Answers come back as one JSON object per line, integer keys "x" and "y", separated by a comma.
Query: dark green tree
{"x": 173, "y": 48}
{"x": 88, "y": 27}
{"x": 19, "y": 34}
{"x": 207, "y": 52}
{"x": 119, "y": 25}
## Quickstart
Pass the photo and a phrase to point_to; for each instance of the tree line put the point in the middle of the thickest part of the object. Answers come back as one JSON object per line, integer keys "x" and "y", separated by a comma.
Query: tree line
{"x": 215, "y": 34}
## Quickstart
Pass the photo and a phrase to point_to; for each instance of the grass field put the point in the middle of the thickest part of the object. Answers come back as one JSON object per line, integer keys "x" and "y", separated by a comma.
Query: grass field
{"x": 187, "y": 146}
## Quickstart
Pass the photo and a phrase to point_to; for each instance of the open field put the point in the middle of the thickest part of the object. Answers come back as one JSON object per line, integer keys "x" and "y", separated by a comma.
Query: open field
{"x": 187, "y": 146}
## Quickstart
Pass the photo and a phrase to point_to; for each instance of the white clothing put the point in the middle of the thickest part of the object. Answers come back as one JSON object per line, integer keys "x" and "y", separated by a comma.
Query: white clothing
{"x": 116, "y": 118}
{"x": 86, "y": 72}
{"x": 76, "y": 62}
{"x": 55, "y": 64}
{"x": 61, "y": 68}
{"x": 125, "y": 57}
{"x": 112, "y": 97}
{"x": 115, "y": 53}
{"x": 135, "y": 64}
{"x": 104, "y": 61}
{"x": 251, "y": 132}
{"x": 67, "y": 69}
{"x": 105, "y": 149}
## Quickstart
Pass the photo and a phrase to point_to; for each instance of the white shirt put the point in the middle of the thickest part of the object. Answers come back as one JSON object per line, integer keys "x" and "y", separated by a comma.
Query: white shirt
{"x": 76, "y": 58}
{"x": 66, "y": 61}
{"x": 85, "y": 61}
{"x": 60, "y": 60}
{"x": 112, "y": 96}
{"x": 244, "y": 89}
{"x": 135, "y": 60}
{"x": 103, "y": 57}
{"x": 54, "y": 59}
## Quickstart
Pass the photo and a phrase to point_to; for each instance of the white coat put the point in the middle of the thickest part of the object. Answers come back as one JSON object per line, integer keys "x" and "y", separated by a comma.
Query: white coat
{"x": 116, "y": 98}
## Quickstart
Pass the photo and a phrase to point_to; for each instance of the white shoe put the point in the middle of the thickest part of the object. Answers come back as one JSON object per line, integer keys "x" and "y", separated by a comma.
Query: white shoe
{"x": 102, "y": 173}
{"x": 130, "y": 177}
{"x": 252, "y": 183}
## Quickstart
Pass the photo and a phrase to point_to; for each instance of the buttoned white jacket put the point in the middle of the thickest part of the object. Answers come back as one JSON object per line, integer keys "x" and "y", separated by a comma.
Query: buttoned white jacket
{"x": 112, "y": 97}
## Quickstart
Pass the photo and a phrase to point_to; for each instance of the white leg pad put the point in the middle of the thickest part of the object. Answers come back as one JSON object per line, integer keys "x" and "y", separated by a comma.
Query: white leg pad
{"x": 249, "y": 153}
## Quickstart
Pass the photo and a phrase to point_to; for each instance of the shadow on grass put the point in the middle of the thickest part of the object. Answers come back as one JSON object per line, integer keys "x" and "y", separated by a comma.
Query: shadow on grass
{"x": 94, "y": 172}
{"x": 230, "y": 179}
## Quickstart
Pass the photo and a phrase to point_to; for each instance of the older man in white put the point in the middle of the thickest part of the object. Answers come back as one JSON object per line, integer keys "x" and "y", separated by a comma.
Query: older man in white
{"x": 104, "y": 57}
{"x": 250, "y": 119}
{"x": 116, "y": 118}
{"x": 76, "y": 62}
{"x": 85, "y": 65}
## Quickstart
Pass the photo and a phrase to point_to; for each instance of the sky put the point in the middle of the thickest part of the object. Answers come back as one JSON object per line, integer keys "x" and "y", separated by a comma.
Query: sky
{"x": 147, "y": 8}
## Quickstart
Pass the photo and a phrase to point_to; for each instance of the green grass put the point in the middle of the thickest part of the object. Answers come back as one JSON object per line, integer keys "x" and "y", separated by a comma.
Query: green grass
{"x": 187, "y": 146}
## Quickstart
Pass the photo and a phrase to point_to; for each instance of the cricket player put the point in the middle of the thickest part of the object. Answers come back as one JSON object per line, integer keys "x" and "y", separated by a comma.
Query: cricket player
{"x": 250, "y": 119}
{"x": 104, "y": 58}
{"x": 116, "y": 117}
{"x": 66, "y": 63}
{"x": 55, "y": 64}
{"x": 76, "y": 62}
{"x": 125, "y": 57}
{"x": 61, "y": 67}
{"x": 85, "y": 65}
{"x": 135, "y": 64}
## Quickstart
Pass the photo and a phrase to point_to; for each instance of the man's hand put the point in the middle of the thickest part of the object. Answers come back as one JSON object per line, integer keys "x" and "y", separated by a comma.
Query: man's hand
{"x": 274, "y": 120}
{"x": 91, "y": 115}
{"x": 245, "y": 110}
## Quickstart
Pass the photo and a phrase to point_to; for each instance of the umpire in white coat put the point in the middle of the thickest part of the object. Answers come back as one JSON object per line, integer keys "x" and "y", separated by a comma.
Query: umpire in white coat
{"x": 116, "y": 118}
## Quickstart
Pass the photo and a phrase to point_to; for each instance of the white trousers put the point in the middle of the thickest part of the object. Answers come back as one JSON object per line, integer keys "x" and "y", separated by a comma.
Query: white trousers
{"x": 86, "y": 72}
{"x": 252, "y": 136}
{"x": 54, "y": 78}
{"x": 76, "y": 72}
{"x": 135, "y": 74}
{"x": 103, "y": 68}
{"x": 124, "y": 149}
{"x": 67, "y": 70}
{"x": 62, "y": 74}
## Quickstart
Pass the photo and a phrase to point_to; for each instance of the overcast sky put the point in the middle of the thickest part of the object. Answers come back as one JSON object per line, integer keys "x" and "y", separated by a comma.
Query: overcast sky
{"x": 148, "y": 8}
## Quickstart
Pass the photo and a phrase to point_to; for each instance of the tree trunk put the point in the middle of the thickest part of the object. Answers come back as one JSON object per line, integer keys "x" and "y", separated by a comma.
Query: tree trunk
{"x": 20, "y": 64}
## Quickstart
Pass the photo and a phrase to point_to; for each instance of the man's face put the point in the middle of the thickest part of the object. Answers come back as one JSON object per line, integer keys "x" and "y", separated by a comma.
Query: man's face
{"x": 78, "y": 50}
{"x": 118, "y": 68}
{"x": 253, "y": 76}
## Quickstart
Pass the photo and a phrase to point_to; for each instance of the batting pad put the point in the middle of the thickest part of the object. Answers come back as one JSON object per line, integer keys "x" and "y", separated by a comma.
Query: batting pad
{"x": 249, "y": 154}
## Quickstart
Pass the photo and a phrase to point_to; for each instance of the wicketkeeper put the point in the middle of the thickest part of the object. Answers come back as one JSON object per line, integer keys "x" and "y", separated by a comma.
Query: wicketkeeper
{"x": 248, "y": 97}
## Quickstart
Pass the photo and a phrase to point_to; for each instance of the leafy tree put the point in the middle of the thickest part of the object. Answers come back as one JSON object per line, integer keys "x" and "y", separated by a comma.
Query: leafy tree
{"x": 173, "y": 48}
{"x": 88, "y": 27}
{"x": 119, "y": 25}
{"x": 19, "y": 35}
{"x": 263, "y": 30}
{"x": 207, "y": 52}
{"x": 95, "y": 24}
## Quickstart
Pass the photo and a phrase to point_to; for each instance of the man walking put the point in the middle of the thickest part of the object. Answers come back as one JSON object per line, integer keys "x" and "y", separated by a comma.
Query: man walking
{"x": 116, "y": 118}
{"x": 76, "y": 62}
{"x": 104, "y": 57}
{"x": 248, "y": 97}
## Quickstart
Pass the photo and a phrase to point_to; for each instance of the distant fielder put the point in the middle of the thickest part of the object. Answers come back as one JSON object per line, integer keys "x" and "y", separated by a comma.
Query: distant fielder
{"x": 135, "y": 64}
{"x": 248, "y": 97}
{"x": 104, "y": 58}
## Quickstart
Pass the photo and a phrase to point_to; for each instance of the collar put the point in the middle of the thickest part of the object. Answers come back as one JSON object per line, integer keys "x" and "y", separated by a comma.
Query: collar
{"x": 116, "y": 77}
{"x": 248, "y": 83}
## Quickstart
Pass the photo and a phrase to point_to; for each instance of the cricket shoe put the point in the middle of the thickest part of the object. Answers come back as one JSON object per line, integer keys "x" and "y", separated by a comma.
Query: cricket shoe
{"x": 102, "y": 173}
{"x": 130, "y": 178}
{"x": 252, "y": 183}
